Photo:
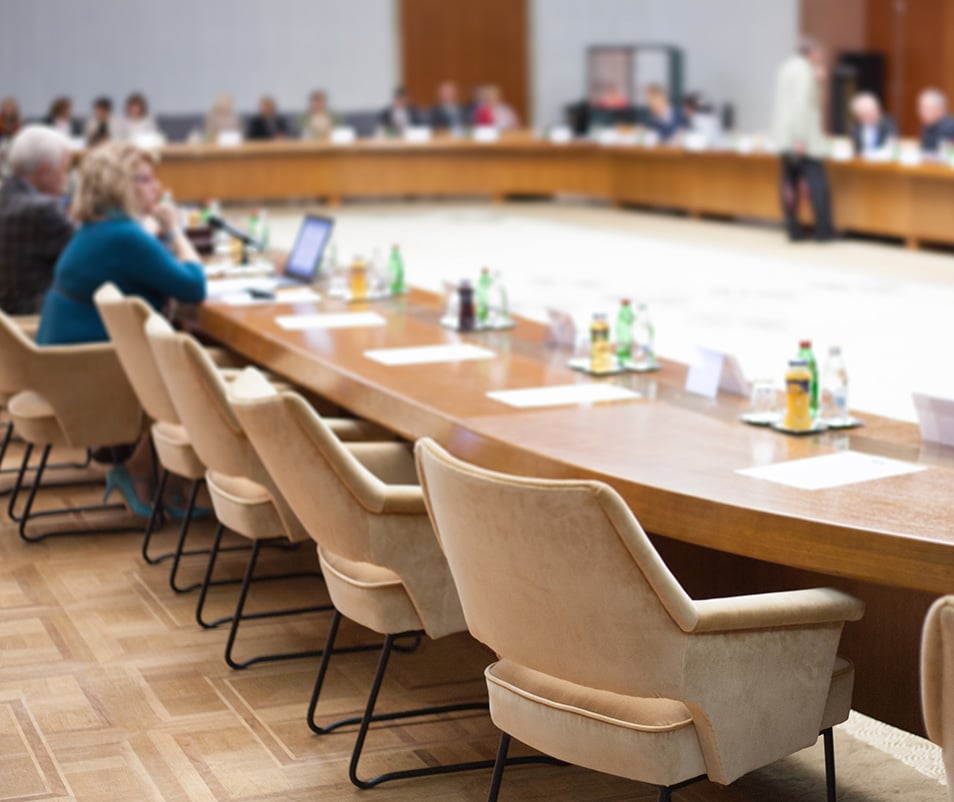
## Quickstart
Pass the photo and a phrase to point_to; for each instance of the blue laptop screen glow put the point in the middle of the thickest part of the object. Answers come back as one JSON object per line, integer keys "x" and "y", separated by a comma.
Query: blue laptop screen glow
{"x": 305, "y": 257}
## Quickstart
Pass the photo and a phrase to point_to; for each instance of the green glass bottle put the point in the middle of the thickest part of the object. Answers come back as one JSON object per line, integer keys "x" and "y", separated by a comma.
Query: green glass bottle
{"x": 624, "y": 331}
{"x": 483, "y": 296}
{"x": 805, "y": 352}
{"x": 396, "y": 272}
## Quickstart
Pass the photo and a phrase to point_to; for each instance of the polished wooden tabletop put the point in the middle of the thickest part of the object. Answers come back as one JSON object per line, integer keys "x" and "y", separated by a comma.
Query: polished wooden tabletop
{"x": 672, "y": 455}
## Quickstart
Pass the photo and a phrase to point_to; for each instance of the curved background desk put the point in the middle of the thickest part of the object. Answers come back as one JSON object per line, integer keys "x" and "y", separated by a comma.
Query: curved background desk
{"x": 672, "y": 456}
{"x": 910, "y": 203}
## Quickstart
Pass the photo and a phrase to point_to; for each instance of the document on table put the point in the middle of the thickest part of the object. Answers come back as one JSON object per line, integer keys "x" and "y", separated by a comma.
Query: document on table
{"x": 832, "y": 470}
{"x": 298, "y": 295}
{"x": 338, "y": 320}
{"x": 562, "y": 394}
{"x": 429, "y": 354}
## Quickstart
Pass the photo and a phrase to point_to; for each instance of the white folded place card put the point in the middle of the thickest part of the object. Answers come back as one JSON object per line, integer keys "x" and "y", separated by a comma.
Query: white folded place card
{"x": 486, "y": 133}
{"x": 343, "y": 135}
{"x": 560, "y": 135}
{"x": 338, "y": 320}
{"x": 561, "y": 331}
{"x": 429, "y": 354}
{"x": 563, "y": 394}
{"x": 228, "y": 139}
{"x": 831, "y": 470}
{"x": 712, "y": 371}
{"x": 417, "y": 134}
{"x": 840, "y": 149}
{"x": 935, "y": 417}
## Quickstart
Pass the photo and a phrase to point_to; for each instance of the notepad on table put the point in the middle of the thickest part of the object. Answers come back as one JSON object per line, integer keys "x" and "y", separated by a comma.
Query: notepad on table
{"x": 831, "y": 470}
{"x": 429, "y": 354}
{"x": 339, "y": 320}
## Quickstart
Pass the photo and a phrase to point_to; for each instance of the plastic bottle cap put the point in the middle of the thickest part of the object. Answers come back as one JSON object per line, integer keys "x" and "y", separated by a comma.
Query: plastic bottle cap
{"x": 805, "y": 344}
{"x": 626, "y": 302}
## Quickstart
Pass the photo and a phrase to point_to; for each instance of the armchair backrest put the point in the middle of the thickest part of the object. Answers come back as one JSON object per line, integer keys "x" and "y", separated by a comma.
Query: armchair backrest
{"x": 124, "y": 317}
{"x": 557, "y": 575}
{"x": 937, "y": 680}
{"x": 199, "y": 396}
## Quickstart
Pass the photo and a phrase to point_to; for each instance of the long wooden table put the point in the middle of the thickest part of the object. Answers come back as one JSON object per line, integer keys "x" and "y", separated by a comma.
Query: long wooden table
{"x": 914, "y": 204}
{"x": 672, "y": 456}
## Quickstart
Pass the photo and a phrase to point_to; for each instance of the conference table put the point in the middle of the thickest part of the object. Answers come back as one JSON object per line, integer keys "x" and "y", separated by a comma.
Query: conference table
{"x": 914, "y": 204}
{"x": 671, "y": 454}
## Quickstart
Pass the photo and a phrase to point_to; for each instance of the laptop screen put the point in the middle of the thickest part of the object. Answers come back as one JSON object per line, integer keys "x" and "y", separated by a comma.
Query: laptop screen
{"x": 305, "y": 257}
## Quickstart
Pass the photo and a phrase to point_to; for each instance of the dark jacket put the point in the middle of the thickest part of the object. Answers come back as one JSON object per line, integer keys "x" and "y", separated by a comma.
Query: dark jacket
{"x": 887, "y": 129}
{"x": 933, "y": 136}
{"x": 33, "y": 231}
{"x": 260, "y": 127}
{"x": 445, "y": 117}
{"x": 386, "y": 118}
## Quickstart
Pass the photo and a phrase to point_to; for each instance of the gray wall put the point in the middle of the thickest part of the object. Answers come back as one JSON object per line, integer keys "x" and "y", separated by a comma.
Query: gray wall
{"x": 182, "y": 53}
{"x": 732, "y": 47}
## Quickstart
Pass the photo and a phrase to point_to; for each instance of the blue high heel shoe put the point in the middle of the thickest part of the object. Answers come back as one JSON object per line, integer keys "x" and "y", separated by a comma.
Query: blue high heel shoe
{"x": 175, "y": 508}
{"x": 118, "y": 478}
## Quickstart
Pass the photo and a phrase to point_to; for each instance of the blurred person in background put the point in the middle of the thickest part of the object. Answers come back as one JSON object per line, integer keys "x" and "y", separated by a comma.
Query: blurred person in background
{"x": 100, "y": 127}
{"x": 447, "y": 113}
{"x": 317, "y": 122}
{"x": 136, "y": 120}
{"x": 222, "y": 119}
{"x": 493, "y": 111}
{"x": 34, "y": 227}
{"x": 798, "y": 135}
{"x": 268, "y": 123}
{"x": 937, "y": 126}
{"x": 60, "y": 117}
{"x": 10, "y": 121}
{"x": 664, "y": 119}
{"x": 872, "y": 130}
{"x": 401, "y": 114}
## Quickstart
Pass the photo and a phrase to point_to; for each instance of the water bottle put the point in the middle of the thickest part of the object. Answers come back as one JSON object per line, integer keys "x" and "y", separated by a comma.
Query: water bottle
{"x": 644, "y": 336}
{"x": 834, "y": 387}
{"x": 396, "y": 272}
{"x": 263, "y": 228}
{"x": 502, "y": 308}
{"x": 624, "y": 331}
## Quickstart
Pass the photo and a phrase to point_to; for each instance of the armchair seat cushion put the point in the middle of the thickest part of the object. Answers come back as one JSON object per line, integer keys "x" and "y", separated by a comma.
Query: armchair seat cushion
{"x": 35, "y": 420}
{"x": 368, "y": 594}
{"x": 648, "y": 739}
{"x": 244, "y": 506}
{"x": 175, "y": 450}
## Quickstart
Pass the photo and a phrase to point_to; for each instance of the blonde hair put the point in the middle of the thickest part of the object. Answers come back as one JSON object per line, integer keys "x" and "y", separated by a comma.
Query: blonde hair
{"x": 106, "y": 181}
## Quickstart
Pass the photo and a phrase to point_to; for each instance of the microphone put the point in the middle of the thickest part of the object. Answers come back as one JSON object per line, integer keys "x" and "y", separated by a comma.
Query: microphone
{"x": 217, "y": 222}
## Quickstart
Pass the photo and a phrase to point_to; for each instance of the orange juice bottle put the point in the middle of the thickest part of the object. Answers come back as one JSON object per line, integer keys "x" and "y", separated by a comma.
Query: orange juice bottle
{"x": 601, "y": 350}
{"x": 798, "y": 396}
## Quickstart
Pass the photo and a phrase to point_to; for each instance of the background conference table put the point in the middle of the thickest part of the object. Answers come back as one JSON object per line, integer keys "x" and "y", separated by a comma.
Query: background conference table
{"x": 671, "y": 455}
{"x": 912, "y": 203}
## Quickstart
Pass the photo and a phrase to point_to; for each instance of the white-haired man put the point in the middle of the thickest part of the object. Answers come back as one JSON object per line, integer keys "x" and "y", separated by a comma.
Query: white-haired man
{"x": 937, "y": 126}
{"x": 799, "y": 137}
{"x": 873, "y": 129}
{"x": 34, "y": 228}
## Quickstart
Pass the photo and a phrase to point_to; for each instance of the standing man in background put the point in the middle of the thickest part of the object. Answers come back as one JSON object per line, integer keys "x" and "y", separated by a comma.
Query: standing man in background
{"x": 800, "y": 140}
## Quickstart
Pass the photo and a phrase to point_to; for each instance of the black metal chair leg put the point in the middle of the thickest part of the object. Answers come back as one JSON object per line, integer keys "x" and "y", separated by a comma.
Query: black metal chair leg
{"x": 829, "y": 738}
{"x": 180, "y": 545}
{"x": 665, "y": 795}
{"x": 499, "y": 765}
{"x": 207, "y": 580}
{"x": 32, "y": 494}
{"x": 18, "y": 483}
{"x": 155, "y": 516}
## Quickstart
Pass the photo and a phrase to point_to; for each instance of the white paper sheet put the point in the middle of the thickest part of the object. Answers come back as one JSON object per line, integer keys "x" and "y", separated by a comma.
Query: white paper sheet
{"x": 341, "y": 320}
{"x": 832, "y": 470}
{"x": 429, "y": 354}
{"x": 221, "y": 287}
{"x": 297, "y": 295}
{"x": 559, "y": 395}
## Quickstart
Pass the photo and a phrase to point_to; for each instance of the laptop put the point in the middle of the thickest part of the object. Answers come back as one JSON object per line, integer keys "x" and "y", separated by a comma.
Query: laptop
{"x": 304, "y": 259}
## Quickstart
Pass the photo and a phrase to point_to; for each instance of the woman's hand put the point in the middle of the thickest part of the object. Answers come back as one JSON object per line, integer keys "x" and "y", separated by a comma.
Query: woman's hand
{"x": 168, "y": 218}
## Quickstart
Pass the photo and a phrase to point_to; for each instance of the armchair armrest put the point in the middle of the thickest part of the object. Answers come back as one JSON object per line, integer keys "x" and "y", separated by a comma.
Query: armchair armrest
{"x": 773, "y": 610}
{"x": 391, "y": 462}
{"x": 404, "y": 500}
{"x": 28, "y": 324}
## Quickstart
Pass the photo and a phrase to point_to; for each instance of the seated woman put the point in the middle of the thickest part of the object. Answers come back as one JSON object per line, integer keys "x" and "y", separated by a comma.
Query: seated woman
{"x": 491, "y": 110}
{"x": 117, "y": 189}
{"x": 136, "y": 120}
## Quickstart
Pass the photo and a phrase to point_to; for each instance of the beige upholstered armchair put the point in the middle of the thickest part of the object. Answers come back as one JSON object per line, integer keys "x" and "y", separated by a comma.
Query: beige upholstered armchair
{"x": 362, "y": 505}
{"x": 937, "y": 681}
{"x": 124, "y": 318}
{"x": 604, "y": 660}
{"x": 71, "y": 396}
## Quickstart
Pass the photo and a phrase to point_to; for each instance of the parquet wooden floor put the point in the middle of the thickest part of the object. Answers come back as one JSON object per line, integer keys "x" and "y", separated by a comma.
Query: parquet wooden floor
{"x": 109, "y": 691}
